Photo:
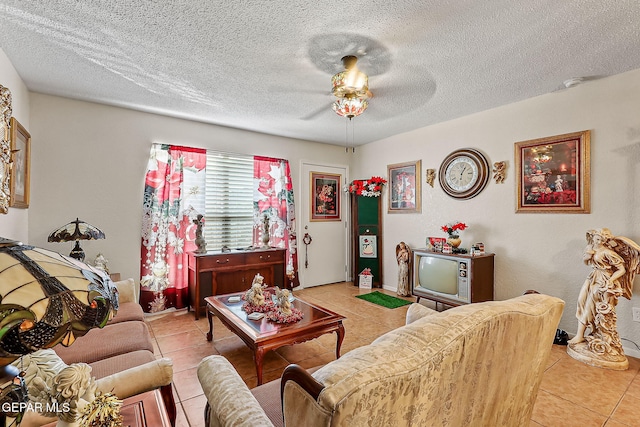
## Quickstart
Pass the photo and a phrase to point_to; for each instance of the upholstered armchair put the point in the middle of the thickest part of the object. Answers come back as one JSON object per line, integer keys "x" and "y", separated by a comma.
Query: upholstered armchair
{"x": 474, "y": 365}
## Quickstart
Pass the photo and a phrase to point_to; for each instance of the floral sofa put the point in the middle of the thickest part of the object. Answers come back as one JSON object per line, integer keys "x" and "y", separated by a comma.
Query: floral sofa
{"x": 474, "y": 365}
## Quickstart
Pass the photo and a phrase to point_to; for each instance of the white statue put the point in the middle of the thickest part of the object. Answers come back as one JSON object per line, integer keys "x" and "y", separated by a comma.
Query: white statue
{"x": 283, "y": 303}
{"x": 255, "y": 296}
{"x": 615, "y": 261}
{"x": 67, "y": 393}
{"x": 101, "y": 263}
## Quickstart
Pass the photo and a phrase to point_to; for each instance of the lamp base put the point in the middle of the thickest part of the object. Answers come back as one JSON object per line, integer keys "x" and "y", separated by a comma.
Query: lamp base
{"x": 77, "y": 252}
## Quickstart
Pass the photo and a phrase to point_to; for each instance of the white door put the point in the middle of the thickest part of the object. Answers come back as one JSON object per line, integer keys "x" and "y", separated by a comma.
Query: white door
{"x": 324, "y": 260}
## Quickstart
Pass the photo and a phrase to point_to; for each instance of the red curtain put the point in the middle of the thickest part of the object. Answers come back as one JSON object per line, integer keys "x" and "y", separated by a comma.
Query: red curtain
{"x": 173, "y": 196}
{"x": 274, "y": 199}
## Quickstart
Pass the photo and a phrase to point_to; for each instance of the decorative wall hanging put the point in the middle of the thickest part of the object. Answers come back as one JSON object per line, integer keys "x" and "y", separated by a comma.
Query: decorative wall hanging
{"x": 553, "y": 174}
{"x": 325, "y": 196}
{"x": 21, "y": 165}
{"x": 5, "y": 149}
{"x": 368, "y": 246}
{"x": 404, "y": 187}
{"x": 500, "y": 172}
{"x": 464, "y": 173}
{"x": 431, "y": 176}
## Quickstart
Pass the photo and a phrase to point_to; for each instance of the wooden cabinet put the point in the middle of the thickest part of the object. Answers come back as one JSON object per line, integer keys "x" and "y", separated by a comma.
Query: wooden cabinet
{"x": 366, "y": 223}
{"x": 218, "y": 273}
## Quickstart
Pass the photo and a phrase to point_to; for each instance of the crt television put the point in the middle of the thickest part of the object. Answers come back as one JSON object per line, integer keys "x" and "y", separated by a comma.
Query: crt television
{"x": 451, "y": 279}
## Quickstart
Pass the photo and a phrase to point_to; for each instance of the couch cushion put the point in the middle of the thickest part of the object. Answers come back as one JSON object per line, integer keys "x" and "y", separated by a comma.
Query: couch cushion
{"x": 112, "y": 340}
{"x": 115, "y": 364}
{"x": 127, "y": 312}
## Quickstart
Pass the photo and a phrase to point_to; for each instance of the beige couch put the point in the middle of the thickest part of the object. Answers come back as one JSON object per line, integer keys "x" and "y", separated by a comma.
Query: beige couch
{"x": 120, "y": 355}
{"x": 474, "y": 365}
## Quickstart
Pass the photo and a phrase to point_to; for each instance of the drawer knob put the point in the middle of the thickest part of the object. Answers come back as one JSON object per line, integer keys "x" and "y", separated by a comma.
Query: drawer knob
{"x": 268, "y": 256}
{"x": 218, "y": 261}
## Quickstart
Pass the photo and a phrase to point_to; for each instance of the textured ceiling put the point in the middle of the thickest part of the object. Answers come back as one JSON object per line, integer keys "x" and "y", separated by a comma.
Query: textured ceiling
{"x": 265, "y": 65}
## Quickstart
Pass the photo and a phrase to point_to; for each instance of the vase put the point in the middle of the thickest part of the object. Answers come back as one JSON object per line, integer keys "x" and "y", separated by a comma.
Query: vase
{"x": 454, "y": 241}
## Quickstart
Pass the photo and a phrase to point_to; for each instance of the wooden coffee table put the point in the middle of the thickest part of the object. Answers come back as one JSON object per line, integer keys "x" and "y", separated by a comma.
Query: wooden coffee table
{"x": 264, "y": 335}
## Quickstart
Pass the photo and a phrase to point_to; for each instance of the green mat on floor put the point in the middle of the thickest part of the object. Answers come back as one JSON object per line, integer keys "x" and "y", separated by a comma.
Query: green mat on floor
{"x": 384, "y": 299}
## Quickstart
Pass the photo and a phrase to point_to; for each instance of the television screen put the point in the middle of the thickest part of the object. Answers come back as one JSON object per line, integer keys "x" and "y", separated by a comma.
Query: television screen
{"x": 438, "y": 274}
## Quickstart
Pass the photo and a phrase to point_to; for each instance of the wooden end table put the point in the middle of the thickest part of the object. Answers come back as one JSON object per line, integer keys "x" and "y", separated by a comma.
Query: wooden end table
{"x": 264, "y": 335}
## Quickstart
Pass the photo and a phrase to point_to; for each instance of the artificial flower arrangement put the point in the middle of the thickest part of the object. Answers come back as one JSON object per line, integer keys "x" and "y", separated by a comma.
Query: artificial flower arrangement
{"x": 371, "y": 187}
{"x": 366, "y": 272}
{"x": 452, "y": 229}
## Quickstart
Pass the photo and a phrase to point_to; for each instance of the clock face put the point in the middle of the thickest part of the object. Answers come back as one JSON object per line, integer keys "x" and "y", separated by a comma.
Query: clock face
{"x": 464, "y": 173}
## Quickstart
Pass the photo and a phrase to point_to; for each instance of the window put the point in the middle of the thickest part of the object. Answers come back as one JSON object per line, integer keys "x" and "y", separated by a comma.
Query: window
{"x": 228, "y": 200}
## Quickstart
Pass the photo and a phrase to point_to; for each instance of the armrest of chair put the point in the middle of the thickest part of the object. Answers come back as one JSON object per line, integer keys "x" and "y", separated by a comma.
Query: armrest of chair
{"x": 417, "y": 311}
{"x": 229, "y": 401}
{"x": 300, "y": 375}
{"x": 139, "y": 379}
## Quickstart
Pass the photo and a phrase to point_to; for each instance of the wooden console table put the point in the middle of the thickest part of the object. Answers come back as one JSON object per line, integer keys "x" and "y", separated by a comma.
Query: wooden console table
{"x": 218, "y": 273}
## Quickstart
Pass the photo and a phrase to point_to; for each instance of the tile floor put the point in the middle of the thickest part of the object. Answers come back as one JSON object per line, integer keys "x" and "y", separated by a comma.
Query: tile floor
{"x": 571, "y": 394}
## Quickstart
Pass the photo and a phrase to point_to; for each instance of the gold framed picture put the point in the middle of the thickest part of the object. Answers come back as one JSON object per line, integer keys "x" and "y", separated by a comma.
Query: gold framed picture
{"x": 21, "y": 165}
{"x": 404, "y": 187}
{"x": 553, "y": 174}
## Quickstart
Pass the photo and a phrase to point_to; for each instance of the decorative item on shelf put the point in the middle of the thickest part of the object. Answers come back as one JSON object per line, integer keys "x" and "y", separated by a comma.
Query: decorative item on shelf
{"x": 47, "y": 298}
{"x": 453, "y": 230}
{"x": 615, "y": 261}
{"x": 200, "y": 242}
{"x": 477, "y": 249}
{"x": 500, "y": 172}
{"x": 282, "y": 311}
{"x": 403, "y": 256}
{"x": 366, "y": 279}
{"x": 435, "y": 243}
{"x": 371, "y": 187}
{"x": 265, "y": 232}
{"x": 75, "y": 231}
{"x": 100, "y": 262}
{"x": 431, "y": 176}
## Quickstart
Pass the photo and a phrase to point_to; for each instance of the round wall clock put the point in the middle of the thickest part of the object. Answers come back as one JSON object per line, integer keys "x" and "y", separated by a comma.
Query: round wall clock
{"x": 464, "y": 173}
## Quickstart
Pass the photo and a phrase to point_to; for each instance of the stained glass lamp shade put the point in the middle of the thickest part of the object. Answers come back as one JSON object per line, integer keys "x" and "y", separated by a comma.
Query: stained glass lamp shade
{"x": 75, "y": 231}
{"x": 47, "y": 298}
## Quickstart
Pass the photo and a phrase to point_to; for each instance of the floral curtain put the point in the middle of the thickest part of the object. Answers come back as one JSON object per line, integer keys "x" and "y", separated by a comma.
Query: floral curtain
{"x": 173, "y": 196}
{"x": 273, "y": 201}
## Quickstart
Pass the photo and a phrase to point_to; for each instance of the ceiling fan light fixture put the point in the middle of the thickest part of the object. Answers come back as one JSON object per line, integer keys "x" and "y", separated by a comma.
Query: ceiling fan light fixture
{"x": 350, "y": 106}
{"x": 351, "y": 81}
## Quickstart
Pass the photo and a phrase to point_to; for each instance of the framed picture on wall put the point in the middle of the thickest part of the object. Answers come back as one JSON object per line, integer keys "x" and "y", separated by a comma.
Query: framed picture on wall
{"x": 21, "y": 166}
{"x": 404, "y": 187}
{"x": 325, "y": 196}
{"x": 368, "y": 246}
{"x": 553, "y": 174}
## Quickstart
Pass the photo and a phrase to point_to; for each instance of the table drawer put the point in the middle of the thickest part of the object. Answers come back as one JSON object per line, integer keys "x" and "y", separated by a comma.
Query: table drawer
{"x": 264, "y": 257}
{"x": 211, "y": 262}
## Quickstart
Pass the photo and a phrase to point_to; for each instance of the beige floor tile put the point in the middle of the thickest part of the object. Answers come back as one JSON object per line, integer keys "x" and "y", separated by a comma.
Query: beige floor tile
{"x": 628, "y": 411}
{"x": 552, "y": 411}
{"x": 186, "y": 384}
{"x": 194, "y": 410}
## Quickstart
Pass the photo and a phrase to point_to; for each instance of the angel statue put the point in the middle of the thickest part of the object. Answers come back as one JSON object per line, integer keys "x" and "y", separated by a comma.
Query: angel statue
{"x": 255, "y": 295}
{"x": 67, "y": 393}
{"x": 283, "y": 303}
{"x": 615, "y": 261}
{"x": 402, "y": 256}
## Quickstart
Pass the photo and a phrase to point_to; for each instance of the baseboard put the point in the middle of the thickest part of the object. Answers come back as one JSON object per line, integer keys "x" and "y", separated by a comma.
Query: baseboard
{"x": 631, "y": 351}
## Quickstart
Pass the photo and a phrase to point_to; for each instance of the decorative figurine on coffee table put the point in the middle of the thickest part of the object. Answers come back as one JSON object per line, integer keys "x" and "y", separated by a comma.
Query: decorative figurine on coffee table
{"x": 257, "y": 298}
{"x": 283, "y": 312}
{"x": 402, "y": 257}
{"x": 615, "y": 261}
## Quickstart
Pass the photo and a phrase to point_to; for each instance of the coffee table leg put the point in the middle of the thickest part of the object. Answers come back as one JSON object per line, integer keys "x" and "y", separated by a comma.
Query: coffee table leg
{"x": 258, "y": 356}
{"x": 210, "y": 318}
{"x": 340, "y": 333}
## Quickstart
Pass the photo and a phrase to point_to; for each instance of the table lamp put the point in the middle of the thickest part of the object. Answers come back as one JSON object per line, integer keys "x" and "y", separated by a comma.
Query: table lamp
{"x": 75, "y": 231}
{"x": 45, "y": 299}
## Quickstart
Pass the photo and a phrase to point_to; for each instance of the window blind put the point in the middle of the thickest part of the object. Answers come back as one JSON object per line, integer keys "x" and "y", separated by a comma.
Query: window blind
{"x": 228, "y": 201}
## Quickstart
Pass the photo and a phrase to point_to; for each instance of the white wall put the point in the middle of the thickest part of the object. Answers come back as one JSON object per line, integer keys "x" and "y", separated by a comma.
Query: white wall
{"x": 14, "y": 225}
{"x": 533, "y": 251}
{"x": 90, "y": 162}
